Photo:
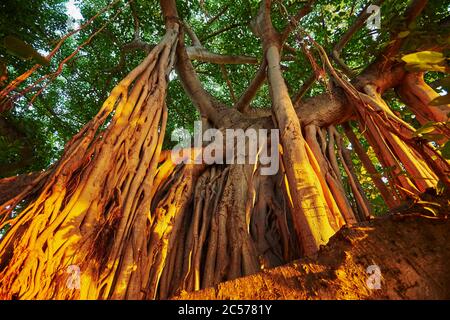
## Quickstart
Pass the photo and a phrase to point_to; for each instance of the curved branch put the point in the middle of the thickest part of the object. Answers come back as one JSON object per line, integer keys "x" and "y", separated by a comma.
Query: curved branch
{"x": 208, "y": 106}
{"x": 304, "y": 88}
{"x": 195, "y": 41}
{"x": 201, "y": 54}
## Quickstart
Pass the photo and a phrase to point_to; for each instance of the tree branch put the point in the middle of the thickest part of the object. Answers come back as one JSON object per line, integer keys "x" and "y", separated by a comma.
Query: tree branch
{"x": 217, "y": 16}
{"x": 414, "y": 9}
{"x": 244, "y": 100}
{"x": 134, "y": 14}
{"x": 13, "y": 186}
{"x": 195, "y": 41}
{"x": 225, "y": 29}
{"x": 208, "y": 106}
{"x": 360, "y": 20}
{"x": 201, "y": 54}
{"x": 293, "y": 22}
{"x": 304, "y": 88}
{"x": 25, "y": 150}
{"x": 227, "y": 80}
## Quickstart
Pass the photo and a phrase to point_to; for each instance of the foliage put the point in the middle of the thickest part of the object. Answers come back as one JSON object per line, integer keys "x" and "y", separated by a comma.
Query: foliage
{"x": 425, "y": 61}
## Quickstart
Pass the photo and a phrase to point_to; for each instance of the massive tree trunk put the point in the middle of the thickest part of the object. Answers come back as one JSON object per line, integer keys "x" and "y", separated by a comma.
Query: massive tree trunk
{"x": 134, "y": 224}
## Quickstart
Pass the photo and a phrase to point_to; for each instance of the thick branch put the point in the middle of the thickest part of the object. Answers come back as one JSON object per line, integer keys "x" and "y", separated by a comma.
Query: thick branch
{"x": 243, "y": 103}
{"x": 208, "y": 106}
{"x": 417, "y": 95}
{"x": 304, "y": 88}
{"x": 302, "y": 182}
{"x": 11, "y": 187}
{"x": 195, "y": 41}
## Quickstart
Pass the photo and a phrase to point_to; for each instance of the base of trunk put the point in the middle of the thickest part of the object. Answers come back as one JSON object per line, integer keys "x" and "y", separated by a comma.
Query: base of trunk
{"x": 411, "y": 251}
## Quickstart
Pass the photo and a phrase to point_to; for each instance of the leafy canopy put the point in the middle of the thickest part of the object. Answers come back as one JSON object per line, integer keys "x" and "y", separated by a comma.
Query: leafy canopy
{"x": 74, "y": 96}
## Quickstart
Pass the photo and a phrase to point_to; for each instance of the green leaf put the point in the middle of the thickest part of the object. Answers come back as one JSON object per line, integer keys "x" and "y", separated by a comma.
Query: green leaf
{"x": 403, "y": 34}
{"x": 425, "y": 61}
{"x": 425, "y": 67}
{"x": 445, "y": 151}
{"x": 426, "y": 128}
{"x": 424, "y": 57}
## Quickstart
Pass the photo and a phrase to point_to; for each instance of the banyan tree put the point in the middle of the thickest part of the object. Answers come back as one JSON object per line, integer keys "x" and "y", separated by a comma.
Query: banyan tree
{"x": 120, "y": 216}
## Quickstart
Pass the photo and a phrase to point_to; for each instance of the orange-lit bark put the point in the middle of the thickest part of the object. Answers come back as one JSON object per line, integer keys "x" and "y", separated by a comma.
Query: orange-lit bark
{"x": 338, "y": 202}
{"x": 417, "y": 95}
{"x": 363, "y": 205}
{"x": 387, "y": 195}
{"x": 309, "y": 207}
{"x": 100, "y": 185}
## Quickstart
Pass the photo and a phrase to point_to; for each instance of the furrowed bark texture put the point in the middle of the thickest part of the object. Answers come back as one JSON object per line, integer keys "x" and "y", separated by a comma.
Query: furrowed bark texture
{"x": 401, "y": 250}
{"x": 93, "y": 209}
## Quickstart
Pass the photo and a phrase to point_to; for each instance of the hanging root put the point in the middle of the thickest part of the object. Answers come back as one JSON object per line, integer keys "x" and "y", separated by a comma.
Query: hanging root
{"x": 210, "y": 227}
{"x": 416, "y": 164}
{"x": 95, "y": 198}
{"x": 363, "y": 209}
{"x": 417, "y": 96}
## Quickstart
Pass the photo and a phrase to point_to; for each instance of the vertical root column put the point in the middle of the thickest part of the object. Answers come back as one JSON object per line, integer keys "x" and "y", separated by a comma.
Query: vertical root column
{"x": 95, "y": 196}
{"x": 364, "y": 209}
{"x": 329, "y": 176}
{"x": 395, "y": 152}
{"x": 202, "y": 234}
{"x": 387, "y": 193}
{"x": 417, "y": 96}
